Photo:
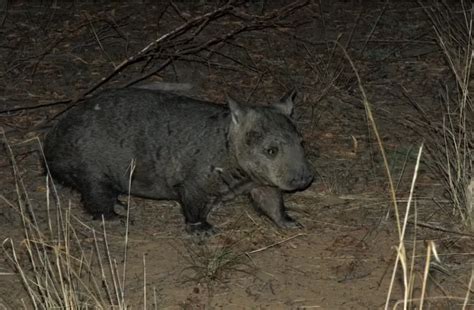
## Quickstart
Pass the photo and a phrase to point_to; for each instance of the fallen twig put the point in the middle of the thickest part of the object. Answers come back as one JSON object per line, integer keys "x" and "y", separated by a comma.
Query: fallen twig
{"x": 183, "y": 42}
{"x": 433, "y": 227}
{"x": 275, "y": 244}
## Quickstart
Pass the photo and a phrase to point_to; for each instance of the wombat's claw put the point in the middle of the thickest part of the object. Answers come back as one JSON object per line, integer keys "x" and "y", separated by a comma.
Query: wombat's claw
{"x": 120, "y": 205}
{"x": 201, "y": 229}
{"x": 289, "y": 222}
{"x": 120, "y": 210}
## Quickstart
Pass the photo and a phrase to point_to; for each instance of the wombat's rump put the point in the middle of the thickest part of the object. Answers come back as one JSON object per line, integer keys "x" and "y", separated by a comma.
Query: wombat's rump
{"x": 195, "y": 152}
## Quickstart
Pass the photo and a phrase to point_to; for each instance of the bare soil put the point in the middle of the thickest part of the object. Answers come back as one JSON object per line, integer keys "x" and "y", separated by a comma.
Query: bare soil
{"x": 344, "y": 256}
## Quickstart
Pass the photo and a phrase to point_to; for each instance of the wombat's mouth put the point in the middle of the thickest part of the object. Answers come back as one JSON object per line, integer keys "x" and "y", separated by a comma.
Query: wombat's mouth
{"x": 299, "y": 184}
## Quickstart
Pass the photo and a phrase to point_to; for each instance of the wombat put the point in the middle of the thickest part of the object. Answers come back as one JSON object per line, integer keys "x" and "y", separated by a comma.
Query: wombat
{"x": 198, "y": 153}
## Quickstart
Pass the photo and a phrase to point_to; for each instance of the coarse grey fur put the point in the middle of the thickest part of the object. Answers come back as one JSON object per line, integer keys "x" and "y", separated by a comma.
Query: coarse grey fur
{"x": 192, "y": 151}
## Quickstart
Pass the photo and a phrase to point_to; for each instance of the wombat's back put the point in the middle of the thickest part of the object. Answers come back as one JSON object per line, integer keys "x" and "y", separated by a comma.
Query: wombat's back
{"x": 103, "y": 134}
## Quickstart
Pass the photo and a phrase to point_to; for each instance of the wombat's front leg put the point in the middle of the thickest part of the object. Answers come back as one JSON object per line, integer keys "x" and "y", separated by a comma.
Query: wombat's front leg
{"x": 269, "y": 200}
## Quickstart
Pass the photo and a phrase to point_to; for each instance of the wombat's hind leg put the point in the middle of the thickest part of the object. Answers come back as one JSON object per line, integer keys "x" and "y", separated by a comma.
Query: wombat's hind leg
{"x": 269, "y": 201}
{"x": 195, "y": 211}
{"x": 99, "y": 199}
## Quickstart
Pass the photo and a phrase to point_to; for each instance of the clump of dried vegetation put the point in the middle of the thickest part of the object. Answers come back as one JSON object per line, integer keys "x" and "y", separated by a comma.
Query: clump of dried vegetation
{"x": 449, "y": 130}
{"x": 451, "y": 145}
{"x": 212, "y": 264}
{"x": 448, "y": 151}
{"x": 57, "y": 268}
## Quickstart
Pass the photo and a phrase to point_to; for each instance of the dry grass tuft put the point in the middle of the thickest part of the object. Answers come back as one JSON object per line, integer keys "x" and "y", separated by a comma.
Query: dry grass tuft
{"x": 449, "y": 135}
{"x": 453, "y": 161}
{"x": 59, "y": 268}
{"x": 214, "y": 264}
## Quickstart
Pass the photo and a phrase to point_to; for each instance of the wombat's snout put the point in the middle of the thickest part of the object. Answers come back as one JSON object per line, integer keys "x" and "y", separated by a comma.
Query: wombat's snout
{"x": 303, "y": 180}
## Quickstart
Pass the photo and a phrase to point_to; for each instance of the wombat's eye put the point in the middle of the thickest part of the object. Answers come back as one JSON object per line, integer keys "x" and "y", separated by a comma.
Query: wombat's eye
{"x": 272, "y": 151}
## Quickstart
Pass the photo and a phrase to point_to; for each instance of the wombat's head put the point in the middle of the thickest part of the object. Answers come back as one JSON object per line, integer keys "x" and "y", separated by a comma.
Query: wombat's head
{"x": 267, "y": 145}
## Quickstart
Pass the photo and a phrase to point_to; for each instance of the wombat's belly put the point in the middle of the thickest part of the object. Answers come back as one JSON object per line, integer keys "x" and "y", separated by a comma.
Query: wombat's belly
{"x": 157, "y": 193}
{"x": 152, "y": 185}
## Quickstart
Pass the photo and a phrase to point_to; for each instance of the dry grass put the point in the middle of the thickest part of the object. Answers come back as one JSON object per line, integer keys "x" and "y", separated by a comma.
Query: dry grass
{"x": 449, "y": 135}
{"x": 405, "y": 262}
{"x": 453, "y": 162}
{"x": 60, "y": 269}
{"x": 212, "y": 265}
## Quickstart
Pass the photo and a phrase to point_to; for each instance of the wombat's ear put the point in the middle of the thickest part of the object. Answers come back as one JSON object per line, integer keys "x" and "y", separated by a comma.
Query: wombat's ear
{"x": 236, "y": 110}
{"x": 285, "y": 105}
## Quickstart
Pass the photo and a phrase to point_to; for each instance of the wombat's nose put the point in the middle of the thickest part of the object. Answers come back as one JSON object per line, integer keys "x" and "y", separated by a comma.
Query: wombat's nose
{"x": 304, "y": 180}
{"x": 308, "y": 179}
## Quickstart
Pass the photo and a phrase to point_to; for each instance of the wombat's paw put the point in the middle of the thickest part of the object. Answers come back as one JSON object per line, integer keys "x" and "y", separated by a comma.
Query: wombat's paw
{"x": 120, "y": 206}
{"x": 121, "y": 213}
{"x": 289, "y": 222}
{"x": 201, "y": 229}
{"x": 120, "y": 209}
{"x": 111, "y": 215}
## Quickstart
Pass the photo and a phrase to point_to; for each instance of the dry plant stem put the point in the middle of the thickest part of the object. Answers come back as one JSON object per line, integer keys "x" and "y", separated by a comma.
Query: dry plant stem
{"x": 412, "y": 189}
{"x": 111, "y": 269}
{"x": 395, "y": 306}
{"x": 59, "y": 269}
{"x": 97, "y": 38}
{"x": 26, "y": 225}
{"x": 102, "y": 270}
{"x": 155, "y": 299}
{"x": 257, "y": 23}
{"x": 161, "y": 45}
{"x": 223, "y": 10}
{"x": 429, "y": 226}
{"x": 86, "y": 264}
{"x": 49, "y": 180}
{"x": 77, "y": 276}
{"x": 368, "y": 110}
{"x": 13, "y": 258}
{"x": 426, "y": 273}
{"x": 402, "y": 172}
{"x": 412, "y": 265}
{"x": 375, "y": 25}
{"x": 323, "y": 21}
{"x": 64, "y": 258}
{"x": 48, "y": 203}
{"x": 142, "y": 77}
{"x": 170, "y": 35}
{"x": 144, "y": 282}
{"x": 125, "y": 245}
{"x": 401, "y": 254}
{"x": 469, "y": 288}
{"x": 119, "y": 283}
{"x": 275, "y": 244}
